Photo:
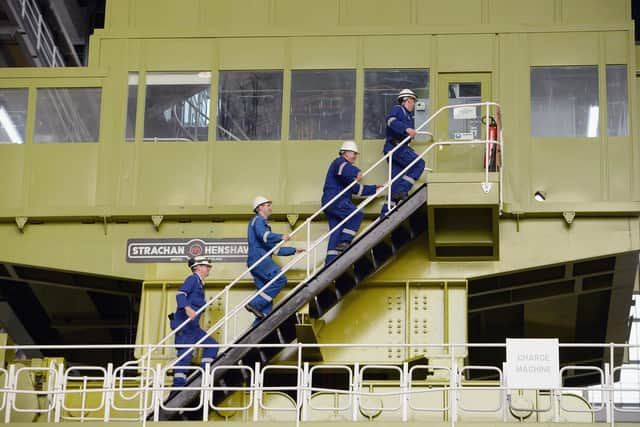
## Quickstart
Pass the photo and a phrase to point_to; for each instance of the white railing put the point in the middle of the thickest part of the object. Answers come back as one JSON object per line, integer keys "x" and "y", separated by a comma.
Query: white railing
{"x": 310, "y": 255}
{"x": 444, "y": 391}
{"x": 36, "y": 28}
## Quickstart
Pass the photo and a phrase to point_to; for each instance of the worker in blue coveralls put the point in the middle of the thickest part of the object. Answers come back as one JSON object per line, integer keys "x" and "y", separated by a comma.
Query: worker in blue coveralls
{"x": 190, "y": 298}
{"x": 341, "y": 173}
{"x": 400, "y": 125}
{"x": 261, "y": 240}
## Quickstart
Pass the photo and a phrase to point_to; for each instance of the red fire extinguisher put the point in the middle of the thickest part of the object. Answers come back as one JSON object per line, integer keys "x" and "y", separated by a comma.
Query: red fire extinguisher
{"x": 491, "y": 152}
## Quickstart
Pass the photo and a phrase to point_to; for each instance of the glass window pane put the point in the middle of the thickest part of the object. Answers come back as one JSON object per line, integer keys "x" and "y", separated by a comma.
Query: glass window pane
{"x": 564, "y": 102}
{"x": 381, "y": 89}
{"x": 13, "y": 115}
{"x": 68, "y": 115}
{"x": 250, "y": 105}
{"x": 464, "y": 122}
{"x": 132, "y": 103}
{"x": 617, "y": 100}
{"x": 322, "y": 104}
{"x": 177, "y": 106}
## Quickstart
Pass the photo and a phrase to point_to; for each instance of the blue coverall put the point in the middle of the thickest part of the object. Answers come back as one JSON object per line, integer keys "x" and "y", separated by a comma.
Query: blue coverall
{"x": 341, "y": 173}
{"x": 261, "y": 240}
{"x": 191, "y": 294}
{"x": 398, "y": 121}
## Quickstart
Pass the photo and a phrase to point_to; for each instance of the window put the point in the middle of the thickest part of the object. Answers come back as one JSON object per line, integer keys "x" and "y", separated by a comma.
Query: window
{"x": 322, "y": 104}
{"x": 177, "y": 106}
{"x": 564, "y": 102}
{"x": 13, "y": 115}
{"x": 132, "y": 105}
{"x": 67, "y": 115}
{"x": 617, "y": 100}
{"x": 464, "y": 125}
{"x": 250, "y": 105}
{"x": 381, "y": 89}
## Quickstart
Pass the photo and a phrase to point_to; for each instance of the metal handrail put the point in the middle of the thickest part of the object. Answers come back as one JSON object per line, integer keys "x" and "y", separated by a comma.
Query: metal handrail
{"x": 153, "y": 391}
{"x": 45, "y": 44}
{"x": 307, "y": 224}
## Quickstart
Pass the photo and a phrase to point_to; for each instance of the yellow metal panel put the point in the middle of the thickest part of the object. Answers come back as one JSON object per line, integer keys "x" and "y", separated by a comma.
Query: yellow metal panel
{"x": 540, "y": 12}
{"x": 117, "y": 14}
{"x": 234, "y": 15}
{"x": 376, "y": 12}
{"x": 242, "y": 170}
{"x": 12, "y": 176}
{"x": 414, "y": 51}
{"x": 178, "y": 54}
{"x": 564, "y": 48}
{"x": 171, "y": 174}
{"x": 619, "y": 158}
{"x": 324, "y": 52}
{"x": 596, "y": 11}
{"x": 305, "y": 179}
{"x": 426, "y": 320}
{"x": 252, "y": 53}
{"x": 353, "y": 321}
{"x": 62, "y": 175}
{"x": 462, "y": 12}
{"x": 617, "y": 47}
{"x": 462, "y": 194}
{"x": 459, "y": 53}
{"x": 305, "y": 13}
{"x": 565, "y": 176}
{"x": 167, "y": 14}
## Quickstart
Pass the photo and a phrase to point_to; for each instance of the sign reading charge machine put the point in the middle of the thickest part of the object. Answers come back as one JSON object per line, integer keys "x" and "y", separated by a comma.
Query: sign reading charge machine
{"x": 532, "y": 364}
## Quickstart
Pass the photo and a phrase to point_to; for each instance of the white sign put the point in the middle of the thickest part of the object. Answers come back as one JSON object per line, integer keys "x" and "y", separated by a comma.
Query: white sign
{"x": 463, "y": 136}
{"x": 465, "y": 113}
{"x": 533, "y": 363}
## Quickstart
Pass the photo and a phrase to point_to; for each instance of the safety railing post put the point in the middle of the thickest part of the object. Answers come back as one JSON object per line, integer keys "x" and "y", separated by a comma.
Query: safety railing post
{"x": 612, "y": 402}
{"x": 11, "y": 386}
{"x": 59, "y": 395}
{"x": 504, "y": 393}
{"x": 158, "y": 391}
{"x": 308, "y": 247}
{"x": 306, "y": 384}
{"x": 300, "y": 383}
{"x": 555, "y": 404}
{"x": 453, "y": 386}
{"x": 389, "y": 179}
{"x": 404, "y": 388}
{"x": 206, "y": 391}
{"x": 109, "y": 384}
{"x": 226, "y": 311}
{"x": 355, "y": 390}
{"x": 257, "y": 387}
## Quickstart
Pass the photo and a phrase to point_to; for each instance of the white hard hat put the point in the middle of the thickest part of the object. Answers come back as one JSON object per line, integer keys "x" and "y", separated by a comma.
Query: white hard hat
{"x": 199, "y": 260}
{"x": 258, "y": 201}
{"x": 349, "y": 146}
{"x": 406, "y": 93}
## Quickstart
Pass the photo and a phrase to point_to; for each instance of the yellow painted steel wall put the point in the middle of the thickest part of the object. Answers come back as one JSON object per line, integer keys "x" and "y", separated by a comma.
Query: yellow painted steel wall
{"x": 113, "y": 181}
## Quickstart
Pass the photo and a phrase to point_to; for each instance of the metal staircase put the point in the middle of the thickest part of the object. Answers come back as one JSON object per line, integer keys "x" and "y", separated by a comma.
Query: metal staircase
{"x": 379, "y": 245}
{"x": 322, "y": 288}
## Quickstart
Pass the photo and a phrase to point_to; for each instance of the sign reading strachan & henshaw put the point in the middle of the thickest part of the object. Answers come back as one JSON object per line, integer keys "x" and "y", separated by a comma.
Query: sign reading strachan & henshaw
{"x": 533, "y": 363}
{"x": 179, "y": 250}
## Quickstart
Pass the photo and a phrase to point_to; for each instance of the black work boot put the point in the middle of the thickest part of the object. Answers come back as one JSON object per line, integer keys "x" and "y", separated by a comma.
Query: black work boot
{"x": 254, "y": 311}
{"x": 398, "y": 197}
{"x": 342, "y": 246}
